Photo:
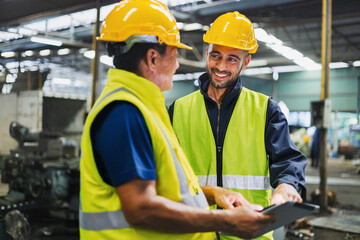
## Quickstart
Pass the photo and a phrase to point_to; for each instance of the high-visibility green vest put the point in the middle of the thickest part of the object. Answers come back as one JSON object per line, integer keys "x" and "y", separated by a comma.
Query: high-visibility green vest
{"x": 101, "y": 215}
{"x": 245, "y": 167}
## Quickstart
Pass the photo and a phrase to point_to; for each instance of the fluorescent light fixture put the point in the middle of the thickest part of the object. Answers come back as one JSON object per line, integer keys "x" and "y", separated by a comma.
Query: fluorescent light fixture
{"x": 8, "y": 54}
{"x": 12, "y": 65}
{"x": 45, "y": 52}
{"x": 289, "y": 68}
{"x": 29, "y": 53}
{"x": 63, "y": 51}
{"x": 307, "y": 63}
{"x": 46, "y": 41}
{"x": 286, "y": 51}
{"x": 6, "y": 36}
{"x": 27, "y": 32}
{"x": 64, "y": 81}
{"x": 192, "y": 26}
{"x": 196, "y": 82}
{"x": 12, "y": 30}
{"x": 205, "y": 28}
{"x": 257, "y": 63}
{"x": 90, "y": 54}
{"x": 263, "y": 36}
{"x": 178, "y": 77}
{"x": 174, "y": 3}
{"x": 11, "y": 78}
{"x": 180, "y": 25}
{"x": 188, "y": 76}
{"x": 256, "y": 71}
{"x": 356, "y": 63}
{"x": 338, "y": 65}
{"x": 106, "y": 60}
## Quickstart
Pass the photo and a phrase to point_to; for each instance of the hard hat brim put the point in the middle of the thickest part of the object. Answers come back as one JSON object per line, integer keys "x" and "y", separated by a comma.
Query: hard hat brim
{"x": 181, "y": 45}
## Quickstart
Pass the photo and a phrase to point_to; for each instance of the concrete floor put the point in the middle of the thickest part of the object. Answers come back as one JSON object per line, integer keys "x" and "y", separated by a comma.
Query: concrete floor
{"x": 343, "y": 180}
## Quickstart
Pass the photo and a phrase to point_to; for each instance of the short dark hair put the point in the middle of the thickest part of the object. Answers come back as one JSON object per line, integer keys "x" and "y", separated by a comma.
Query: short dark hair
{"x": 130, "y": 60}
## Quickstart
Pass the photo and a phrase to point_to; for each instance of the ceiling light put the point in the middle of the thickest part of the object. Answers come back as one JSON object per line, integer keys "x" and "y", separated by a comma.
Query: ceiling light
{"x": 286, "y": 51}
{"x": 6, "y": 36}
{"x": 45, "y": 52}
{"x": 338, "y": 65}
{"x": 174, "y": 3}
{"x": 8, "y": 54}
{"x": 180, "y": 25}
{"x": 192, "y": 26}
{"x": 82, "y": 50}
{"x": 90, "y": 54}
{"x": 46, "y": 41}
{"x": 12, "y": 65}
{"x": 27, "y": 32}
{"x": 29, "y": 53}
{"x": 263, "y": 36}
{"x": 63, "y": 51}
{"x": 256, "y": 71}
{"x": 257, "y": 63}
{"x": 307, "y": 63}
{"x": 107, "y": 60}
{"x": 289, "y": 68}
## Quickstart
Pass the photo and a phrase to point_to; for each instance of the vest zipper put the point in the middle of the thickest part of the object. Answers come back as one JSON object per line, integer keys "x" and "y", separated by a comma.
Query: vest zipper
{"x": 218, "y": 152}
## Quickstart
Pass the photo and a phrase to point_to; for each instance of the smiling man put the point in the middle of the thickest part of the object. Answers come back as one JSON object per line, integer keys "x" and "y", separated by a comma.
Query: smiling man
{"x": 136, "y": 182}
{"x": 234, "y": 137}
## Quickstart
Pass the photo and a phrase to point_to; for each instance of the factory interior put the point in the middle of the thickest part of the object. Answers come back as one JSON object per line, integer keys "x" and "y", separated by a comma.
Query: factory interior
{"x": 52, "y": 70}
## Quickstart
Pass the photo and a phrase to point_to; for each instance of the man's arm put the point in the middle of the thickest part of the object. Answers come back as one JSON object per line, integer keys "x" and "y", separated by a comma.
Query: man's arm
{"x": 286, "y": 162}
{"x": 143, "y": 207}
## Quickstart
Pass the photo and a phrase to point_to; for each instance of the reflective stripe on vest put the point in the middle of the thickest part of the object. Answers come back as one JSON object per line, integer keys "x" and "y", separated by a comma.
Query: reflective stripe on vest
{"x": 237, "y": 182}
{"x": 115, "y": 219}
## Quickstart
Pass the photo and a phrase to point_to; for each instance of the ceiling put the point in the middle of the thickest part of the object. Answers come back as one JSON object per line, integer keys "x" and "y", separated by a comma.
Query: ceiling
{"x": 296, "y": 23}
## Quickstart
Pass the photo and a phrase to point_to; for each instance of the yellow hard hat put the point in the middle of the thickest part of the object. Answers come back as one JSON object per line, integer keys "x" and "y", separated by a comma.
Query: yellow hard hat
{"x": 141, "y": 17}
{"x": 232, "y": 29}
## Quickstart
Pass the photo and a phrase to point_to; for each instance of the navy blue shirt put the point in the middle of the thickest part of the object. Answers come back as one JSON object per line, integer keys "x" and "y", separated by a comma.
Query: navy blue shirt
{"x": 122, "y": 144}
{"x": 286, "y": 162}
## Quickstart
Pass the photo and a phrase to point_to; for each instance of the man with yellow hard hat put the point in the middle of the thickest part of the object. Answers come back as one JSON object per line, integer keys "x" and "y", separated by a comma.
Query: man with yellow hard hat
{"x": 234, "y": 137}
{"x": 136, "y": 182}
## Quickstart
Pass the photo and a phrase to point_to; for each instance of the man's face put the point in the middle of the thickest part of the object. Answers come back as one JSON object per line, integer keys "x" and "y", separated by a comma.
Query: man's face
{"x": 167, "y": 68}
{"x": 224, "y": 64}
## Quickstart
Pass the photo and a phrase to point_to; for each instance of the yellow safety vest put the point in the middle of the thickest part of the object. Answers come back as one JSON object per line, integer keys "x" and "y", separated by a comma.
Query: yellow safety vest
{"x": 101, "y": 215}
{"x": 245, "y": 165}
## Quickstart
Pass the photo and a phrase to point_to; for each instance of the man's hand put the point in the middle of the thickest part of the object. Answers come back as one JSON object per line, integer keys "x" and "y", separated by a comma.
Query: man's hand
{"x": 247, "y": 221}
{"x": 228, "y": 199}
{"x": 225, "y": 198}
{"x": 284, "y": 193}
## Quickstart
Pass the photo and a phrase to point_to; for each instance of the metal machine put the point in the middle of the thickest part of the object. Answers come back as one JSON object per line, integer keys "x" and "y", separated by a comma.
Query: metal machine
{"x": 43, "y": 178}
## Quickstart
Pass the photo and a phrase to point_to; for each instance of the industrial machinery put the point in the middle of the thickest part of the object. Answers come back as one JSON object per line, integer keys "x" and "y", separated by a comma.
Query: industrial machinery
{"x": 43, "y": 178}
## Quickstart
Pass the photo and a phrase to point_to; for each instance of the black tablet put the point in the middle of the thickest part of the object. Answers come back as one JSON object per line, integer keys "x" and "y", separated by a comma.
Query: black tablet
{"x": 287, "y": 213}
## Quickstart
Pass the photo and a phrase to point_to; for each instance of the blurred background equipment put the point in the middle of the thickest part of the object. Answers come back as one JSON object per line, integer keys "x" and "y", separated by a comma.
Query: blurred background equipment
{"x": 43, "y": 179}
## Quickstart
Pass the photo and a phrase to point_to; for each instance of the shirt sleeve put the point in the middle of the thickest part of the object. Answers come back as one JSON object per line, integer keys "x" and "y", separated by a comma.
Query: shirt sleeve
{"x": 122, "y": 144}
{"x": 286, "y": 162}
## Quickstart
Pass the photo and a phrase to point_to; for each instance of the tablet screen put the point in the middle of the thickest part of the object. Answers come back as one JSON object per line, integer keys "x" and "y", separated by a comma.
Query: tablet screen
{"x": 287, "y": 213}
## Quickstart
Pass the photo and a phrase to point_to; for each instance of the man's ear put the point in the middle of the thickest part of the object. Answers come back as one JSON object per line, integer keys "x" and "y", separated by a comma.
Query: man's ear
{"x": 151, "y": 58}
{"x": 246, "y": 61}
